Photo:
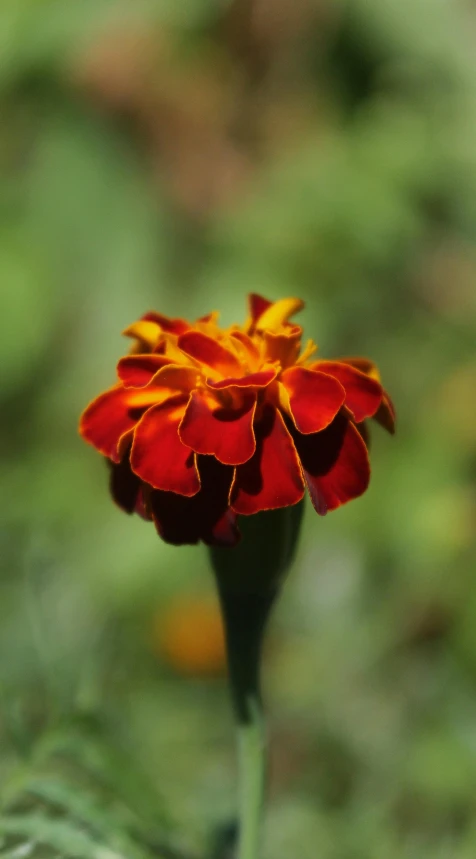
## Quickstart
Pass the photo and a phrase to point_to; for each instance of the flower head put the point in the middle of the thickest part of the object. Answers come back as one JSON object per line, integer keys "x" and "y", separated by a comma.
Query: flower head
{"x": 207, "y": 424}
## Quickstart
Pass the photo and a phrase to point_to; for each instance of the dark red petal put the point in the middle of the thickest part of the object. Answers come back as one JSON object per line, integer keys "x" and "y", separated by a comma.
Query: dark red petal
{"x": 107, "y": 418}
{"x": 208, "y": 351}
{"x": 253, "y": 380}
{"x": 225, "y": 532}
{"x": 158, "y": 456}
{"x": 385, "y": 415}
{"x": 137, "y": 370}
{"x": 364, "y": 365}
{"x": 173, "y": 326}
{"x": 272, "y": 477}
{"x": 257, "y": 305}
{"x": 335, "y": 462}
{"x": 206, "y": 516}
{"x": 213, "y": 316}
{"x": 314, "y": 398}
{"x": 142, "y": 507}
{"x": 363, "y": 394}
{"x": 363, "y": 429}
{"x": 124, "y": 484}
{"x": 227, "y": 433}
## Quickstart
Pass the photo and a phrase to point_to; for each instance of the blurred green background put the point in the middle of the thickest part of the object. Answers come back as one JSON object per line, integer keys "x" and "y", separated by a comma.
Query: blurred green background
{"x": 176, "y": 155}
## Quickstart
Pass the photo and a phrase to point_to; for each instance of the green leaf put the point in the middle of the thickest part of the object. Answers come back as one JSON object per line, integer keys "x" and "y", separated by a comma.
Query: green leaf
{"x": 69, "y": 801}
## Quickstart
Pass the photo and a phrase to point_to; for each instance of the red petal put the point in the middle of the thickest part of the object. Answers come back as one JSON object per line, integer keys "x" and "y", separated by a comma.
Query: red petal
{"x": 107, "y": 418}
{"x": 158, "y": 456}
{"x": 363, "y": 394}
{"x": 385, "y": 415}
{"x": 173, "y": 326}
{"x": 208, "y": 351}
{"x": 314, "y": 398}
{"x": 272, "y": 477}
{"x": 137, "y": 370}
{"x": 254, "y": 380}
{"x": 206, "y": 516}
{"x": 226, "y": 433}
{"x": 335, "y": 462}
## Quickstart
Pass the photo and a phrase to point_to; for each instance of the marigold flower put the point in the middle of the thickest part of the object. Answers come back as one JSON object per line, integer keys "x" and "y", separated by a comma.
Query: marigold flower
{"x": 207, "y": 424}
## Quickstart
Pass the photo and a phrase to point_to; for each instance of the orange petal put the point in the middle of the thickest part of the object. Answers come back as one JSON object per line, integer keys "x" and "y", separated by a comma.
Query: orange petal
{"x": 260, "y": 379}
{"x": 272, "y": 478}
{"x": 335, "y": 462}
{"x": 283, "y": 347}
{"x": 208, "y": 351}
{"x": 212, "y": 317}
{"x": 248, "y": 350}
{"x": 227, "y": 433}
{"x": 308, "y": 350}
{"x": 107, "y": 418}
{"x": 363, "y": 394}
{"x": 206, "y": 516}
{"x": 278, "y": 313}
{"x": 137, "y": 370}
{"x": 158, "y": 456}
{"x": 177, "y": 377}
{"x": 145, "y": 331}
{"x": 314, "y": 398}
{"x": 149, "y": 395}
{"x": 173, "y": 326}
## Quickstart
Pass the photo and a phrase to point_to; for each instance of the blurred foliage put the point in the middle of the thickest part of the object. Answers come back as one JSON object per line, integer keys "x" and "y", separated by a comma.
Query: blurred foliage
{"x": 178, "y": 155}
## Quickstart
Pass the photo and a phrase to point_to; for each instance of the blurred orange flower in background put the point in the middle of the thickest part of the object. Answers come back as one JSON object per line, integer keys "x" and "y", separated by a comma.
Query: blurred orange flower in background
{"x": 206, "y": 424}
{"x": 189, "y": 636}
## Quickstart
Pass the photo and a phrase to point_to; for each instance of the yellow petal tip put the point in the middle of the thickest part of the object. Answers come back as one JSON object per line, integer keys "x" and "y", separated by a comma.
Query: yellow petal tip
{"x": 279, "y": 312}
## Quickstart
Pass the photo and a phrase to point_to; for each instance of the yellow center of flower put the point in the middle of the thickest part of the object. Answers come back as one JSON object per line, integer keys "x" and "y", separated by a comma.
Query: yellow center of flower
{"x": 267, "y": 342}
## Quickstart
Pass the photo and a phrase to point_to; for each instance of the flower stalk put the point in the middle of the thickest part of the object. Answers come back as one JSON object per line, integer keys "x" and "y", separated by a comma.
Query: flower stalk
{"x": 245, "y": 618}
{"x": 248, "y": 580}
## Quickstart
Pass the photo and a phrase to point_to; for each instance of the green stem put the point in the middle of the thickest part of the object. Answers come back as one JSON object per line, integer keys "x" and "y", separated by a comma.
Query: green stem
{"x": 252, "y": 763}
{"x": 245, "y": 616}
{"x": 249, "y": 577}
